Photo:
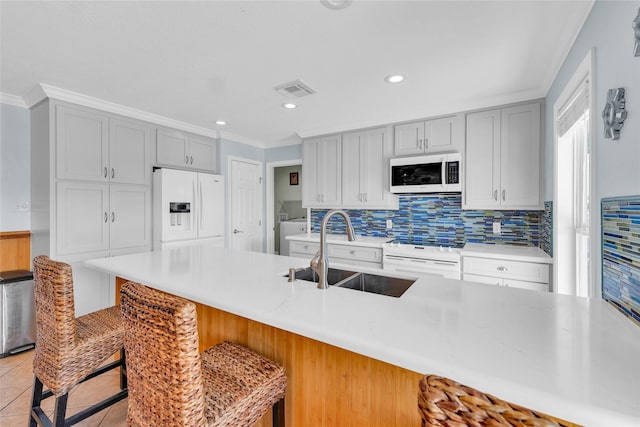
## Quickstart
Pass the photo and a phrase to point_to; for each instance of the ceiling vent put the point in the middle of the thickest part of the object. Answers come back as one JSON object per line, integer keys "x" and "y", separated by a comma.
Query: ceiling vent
{"x": 295, "y": 89}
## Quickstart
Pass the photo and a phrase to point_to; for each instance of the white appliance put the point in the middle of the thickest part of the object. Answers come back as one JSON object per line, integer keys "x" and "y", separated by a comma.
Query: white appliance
{"x": 436, "y": 173}
{"x": 289, "y": 228}
{"x": 430, "y": 260}
{"x": 187, "y": 207}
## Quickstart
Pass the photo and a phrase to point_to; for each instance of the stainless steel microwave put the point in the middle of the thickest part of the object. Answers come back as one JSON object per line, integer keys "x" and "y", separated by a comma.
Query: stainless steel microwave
{"x": 436, "y": 173}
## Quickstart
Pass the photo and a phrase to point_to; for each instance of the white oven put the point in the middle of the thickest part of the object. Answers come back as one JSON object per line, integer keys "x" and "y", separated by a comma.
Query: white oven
{"x": 417, "y": 259}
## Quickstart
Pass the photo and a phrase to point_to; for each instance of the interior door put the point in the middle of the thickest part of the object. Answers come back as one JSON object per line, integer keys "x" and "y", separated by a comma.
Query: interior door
{"x": 246, "y": 206}
{"x": 210, "y": 210}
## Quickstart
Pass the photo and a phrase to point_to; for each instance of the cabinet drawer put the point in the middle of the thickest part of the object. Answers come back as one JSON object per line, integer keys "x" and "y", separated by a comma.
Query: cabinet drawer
{"x": 356, "y": 253}
{"x": 517, "y": 270}
{"x": 303, "y": 248}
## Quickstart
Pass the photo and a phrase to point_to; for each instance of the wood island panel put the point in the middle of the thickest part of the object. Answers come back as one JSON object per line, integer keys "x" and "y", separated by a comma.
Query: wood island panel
{"x": 15, "y": 250}
{"x": 326, "y": 386}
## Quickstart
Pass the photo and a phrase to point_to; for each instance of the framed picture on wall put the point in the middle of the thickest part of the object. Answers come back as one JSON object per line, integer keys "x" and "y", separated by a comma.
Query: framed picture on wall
{"x": 293, "y": 178}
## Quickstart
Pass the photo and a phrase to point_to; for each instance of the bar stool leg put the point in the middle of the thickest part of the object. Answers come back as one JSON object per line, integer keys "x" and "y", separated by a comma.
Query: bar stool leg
{"x": 278, "y": 413}
{"x": 123, "y": 370}
{"x": 60, "y": 410}
{"x": 36, "y": 400}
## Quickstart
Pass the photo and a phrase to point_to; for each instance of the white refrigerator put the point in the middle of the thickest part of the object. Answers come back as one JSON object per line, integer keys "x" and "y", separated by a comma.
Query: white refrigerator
{"x": 188, "y": 207}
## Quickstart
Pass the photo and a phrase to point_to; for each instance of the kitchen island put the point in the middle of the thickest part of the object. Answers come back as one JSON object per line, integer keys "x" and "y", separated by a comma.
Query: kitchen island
{"x": 355, "y": 358}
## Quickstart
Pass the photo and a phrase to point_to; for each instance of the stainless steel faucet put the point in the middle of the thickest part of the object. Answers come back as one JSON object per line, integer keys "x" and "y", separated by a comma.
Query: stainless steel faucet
{"x": 320, "y": 262}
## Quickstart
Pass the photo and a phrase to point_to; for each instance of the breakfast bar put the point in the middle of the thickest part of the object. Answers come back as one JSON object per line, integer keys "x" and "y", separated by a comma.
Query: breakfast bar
{"x": 355, "y": 358}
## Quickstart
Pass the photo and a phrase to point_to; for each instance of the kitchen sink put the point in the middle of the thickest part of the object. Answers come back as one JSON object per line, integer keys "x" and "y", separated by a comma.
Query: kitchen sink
{"x": 364, "y": 282}
{"x": 334, "y": 276}
{"x": 375, "y": 284}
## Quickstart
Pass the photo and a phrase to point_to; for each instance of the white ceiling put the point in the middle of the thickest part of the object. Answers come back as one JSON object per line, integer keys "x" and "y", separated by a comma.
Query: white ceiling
{"x": 198, "y": 62}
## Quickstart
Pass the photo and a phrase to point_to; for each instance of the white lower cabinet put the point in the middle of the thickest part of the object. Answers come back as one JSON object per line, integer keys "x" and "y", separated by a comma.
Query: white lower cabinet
{"x": 500, "y": 272}
{"x": 349, "y": 254}
{"x": 100, "y": 217}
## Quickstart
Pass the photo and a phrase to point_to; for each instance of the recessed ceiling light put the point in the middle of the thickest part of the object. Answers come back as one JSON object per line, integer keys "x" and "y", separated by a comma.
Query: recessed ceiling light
{"x": 289, "y": 106}
{"x": 336, "y": 4}
{"x": 394, "y": 78}
{"x": 221, "y": 122}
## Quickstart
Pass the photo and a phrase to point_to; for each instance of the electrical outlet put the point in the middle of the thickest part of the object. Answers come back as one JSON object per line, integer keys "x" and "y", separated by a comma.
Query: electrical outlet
{"x": 497, "y": 227}
{"x": 389, "y": 224}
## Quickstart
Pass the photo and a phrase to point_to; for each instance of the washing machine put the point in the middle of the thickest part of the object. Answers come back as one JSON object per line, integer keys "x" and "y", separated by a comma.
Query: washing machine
{"x": 289, "y": 228}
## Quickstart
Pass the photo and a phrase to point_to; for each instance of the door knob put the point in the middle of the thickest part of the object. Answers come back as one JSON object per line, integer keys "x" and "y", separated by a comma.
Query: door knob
{"x": 236, "y": 231}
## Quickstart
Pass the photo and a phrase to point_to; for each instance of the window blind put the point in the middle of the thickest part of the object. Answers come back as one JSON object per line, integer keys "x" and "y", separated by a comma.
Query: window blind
{"x": 574, "y": 108}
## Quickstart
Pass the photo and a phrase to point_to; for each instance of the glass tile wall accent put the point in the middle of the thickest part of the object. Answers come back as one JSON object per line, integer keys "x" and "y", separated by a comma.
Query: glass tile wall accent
{"x": 546, "y": 229}
{"x": 621, "y": 254}
{"x": 438, "y": 220}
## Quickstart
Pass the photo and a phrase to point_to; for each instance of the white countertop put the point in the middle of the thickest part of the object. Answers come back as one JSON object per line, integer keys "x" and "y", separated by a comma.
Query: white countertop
{"x": 508, "y": 252}
{"x": 573, "y": 358}
{"x": 375, "y": 242}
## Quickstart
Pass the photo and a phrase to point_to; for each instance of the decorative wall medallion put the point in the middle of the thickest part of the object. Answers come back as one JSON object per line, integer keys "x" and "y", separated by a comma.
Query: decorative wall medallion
{"x": 614, "y": 113}
{"x": 636, "y": 32}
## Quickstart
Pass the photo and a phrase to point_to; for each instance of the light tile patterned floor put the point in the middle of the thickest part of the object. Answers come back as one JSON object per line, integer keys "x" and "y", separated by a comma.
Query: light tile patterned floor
{"x": 16, "y": 380}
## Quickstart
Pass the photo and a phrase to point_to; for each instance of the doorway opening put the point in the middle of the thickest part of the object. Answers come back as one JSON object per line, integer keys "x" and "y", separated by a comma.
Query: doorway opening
{"x": 284, "y": 202}
{"x": 574, "y": 177}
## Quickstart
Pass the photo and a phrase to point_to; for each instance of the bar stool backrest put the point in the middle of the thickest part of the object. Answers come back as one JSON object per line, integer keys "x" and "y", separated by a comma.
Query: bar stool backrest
{"x": 55, "y": 319}
{"x": 163, "y": 361}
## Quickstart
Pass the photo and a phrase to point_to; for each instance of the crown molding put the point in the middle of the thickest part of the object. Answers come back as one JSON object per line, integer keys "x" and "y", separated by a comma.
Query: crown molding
{"x": 43, "y": 91}
{"x": 15, "y": 100}
{"x": 242, "y": 139}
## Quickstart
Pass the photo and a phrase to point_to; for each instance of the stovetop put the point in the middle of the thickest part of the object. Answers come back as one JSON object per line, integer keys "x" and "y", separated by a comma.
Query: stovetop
{"x": 421, "y": 251}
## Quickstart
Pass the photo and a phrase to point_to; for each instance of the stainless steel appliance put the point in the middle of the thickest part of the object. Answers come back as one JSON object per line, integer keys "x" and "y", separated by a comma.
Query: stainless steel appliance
{"x": 436, "y": 173}
{"x": 429, "y": 260}
{"x": 18, "y": 313}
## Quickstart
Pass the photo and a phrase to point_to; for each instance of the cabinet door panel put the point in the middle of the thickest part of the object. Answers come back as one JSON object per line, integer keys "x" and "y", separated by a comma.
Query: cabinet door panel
{"x": 130, "y": 216}
{"x": 82, "y": 217}
{"x": 202, "y": 153}
{"x": 81, "y": 144}
{"x": 171, "y": 148}
{"x": 329, "y": 171}
{"x": 482, "y": 160}
{"x": 353, "y": 183}
{"x": 520, "y": 156}
{"x": 129, "y": 152}
{"x": 521, "y": 284}
{"x": 488, "y": 280}
{"x": 374, "y": 173}
{"x": 439, "y": 134}
{"x": 409, "y": 139}
{"x": 310, "y": 173}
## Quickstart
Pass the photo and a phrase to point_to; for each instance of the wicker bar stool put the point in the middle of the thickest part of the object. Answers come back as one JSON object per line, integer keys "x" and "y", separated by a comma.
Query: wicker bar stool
{"x": 172, "y": 384}
{"x": 444, "y": 402}
{"x": 69, "y": 350}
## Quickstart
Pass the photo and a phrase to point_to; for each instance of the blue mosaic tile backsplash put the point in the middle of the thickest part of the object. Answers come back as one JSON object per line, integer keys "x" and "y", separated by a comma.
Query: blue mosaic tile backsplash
{"x": 621, "y": 254}
{"x": 546, "y": 229}
{"x": 438, "y": 220}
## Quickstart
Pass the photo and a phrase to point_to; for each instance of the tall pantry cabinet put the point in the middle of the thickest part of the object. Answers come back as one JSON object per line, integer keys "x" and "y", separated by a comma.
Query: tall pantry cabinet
{"x": 91, "y": 191}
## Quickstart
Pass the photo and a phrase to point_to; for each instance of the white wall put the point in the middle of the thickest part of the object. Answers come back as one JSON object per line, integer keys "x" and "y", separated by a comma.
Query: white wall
{"x": 607, "y": 30}
{"x": 15, "y": 171}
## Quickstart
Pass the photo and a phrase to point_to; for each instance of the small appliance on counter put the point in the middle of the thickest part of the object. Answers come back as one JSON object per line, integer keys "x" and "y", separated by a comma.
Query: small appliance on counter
{"x": 17, "y": 312}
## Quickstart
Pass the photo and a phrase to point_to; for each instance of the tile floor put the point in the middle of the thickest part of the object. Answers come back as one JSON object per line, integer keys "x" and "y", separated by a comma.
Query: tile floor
{"x": 16, "y": 380}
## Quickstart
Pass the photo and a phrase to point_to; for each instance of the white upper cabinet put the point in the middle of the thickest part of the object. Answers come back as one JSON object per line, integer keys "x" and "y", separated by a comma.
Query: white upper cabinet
{"x": 93, "y": 146}
{"x": 503, "y": 159}
{"x": 365, "y": 172}
{"x": 429, "y": 136}
{"x": 82, "y": 144}
{"x": 176, "y": 148}
{"x": 129, "y": 152}
{"x": 321, "y": 183}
